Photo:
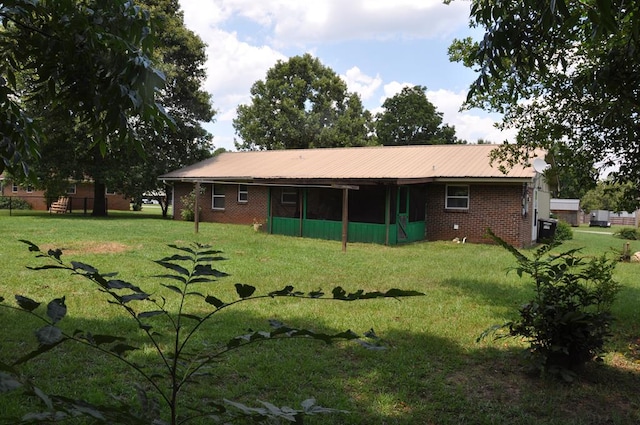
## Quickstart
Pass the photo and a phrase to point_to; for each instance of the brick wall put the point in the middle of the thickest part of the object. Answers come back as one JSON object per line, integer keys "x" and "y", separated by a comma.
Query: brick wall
{"x": 79, "y": 200}
{"x": 234, "y": 212}
{"x": 498, "y": 207}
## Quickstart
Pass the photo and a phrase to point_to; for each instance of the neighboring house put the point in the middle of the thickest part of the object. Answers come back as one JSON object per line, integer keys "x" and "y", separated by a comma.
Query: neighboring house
{"x": 393, "y": 194}
{"x": 80, "y": 196}
{"x": 567, "y": 210}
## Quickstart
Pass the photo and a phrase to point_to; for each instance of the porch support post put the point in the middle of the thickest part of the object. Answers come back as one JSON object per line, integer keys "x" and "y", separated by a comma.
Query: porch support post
{"x": 345, "y": 218}
{"x": 196, "y": 207}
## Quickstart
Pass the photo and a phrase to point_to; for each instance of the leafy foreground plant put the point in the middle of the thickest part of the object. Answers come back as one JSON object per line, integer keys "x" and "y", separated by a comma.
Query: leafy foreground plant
{"x": 569, "y": 318}
{"x": 181, "y": 363}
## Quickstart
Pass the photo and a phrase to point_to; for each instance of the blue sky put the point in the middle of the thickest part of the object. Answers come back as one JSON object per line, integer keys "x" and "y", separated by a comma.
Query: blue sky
{"x": 376, "y": 46}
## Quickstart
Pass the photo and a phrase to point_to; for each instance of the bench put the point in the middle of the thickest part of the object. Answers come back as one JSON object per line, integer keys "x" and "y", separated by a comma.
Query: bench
{"x": 60, "y": 206}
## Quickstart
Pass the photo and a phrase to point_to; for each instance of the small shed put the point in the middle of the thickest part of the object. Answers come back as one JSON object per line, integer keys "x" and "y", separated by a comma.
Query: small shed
{"x": 567, "y": 210}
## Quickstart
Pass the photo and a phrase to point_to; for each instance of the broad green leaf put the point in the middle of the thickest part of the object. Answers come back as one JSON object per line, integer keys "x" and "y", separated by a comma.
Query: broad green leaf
{"x": 49, "y": 335}
{"x": 32, "y": 247}
{"x": 244, "y": 291}
{"x": 217, "y": 303}
{"x": 56, "y": 309}
{"x": 8, "y": 383}
{"x": 146, "y": 314}
{"x": 84, "y": 267}
{"x": 175, "y": 267}
{"x": 27, "y": 303}
{"x": 121, "y": 349}
{"x": 173, "y": 288}
{"x": 134, "y": 297}
{"x": 192, "y": 317}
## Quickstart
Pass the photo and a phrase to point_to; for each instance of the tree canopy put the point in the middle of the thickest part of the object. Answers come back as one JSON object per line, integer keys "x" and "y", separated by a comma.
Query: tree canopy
{"x": 69, "y": 151}
{"x": 84, "y": 62}
{"x": 562, "y": 72}
{"x": 409, "y": 118}
{"x": 302, "y": 104}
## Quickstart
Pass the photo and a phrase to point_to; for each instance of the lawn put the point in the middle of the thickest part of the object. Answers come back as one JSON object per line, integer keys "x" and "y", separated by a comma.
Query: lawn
{"x": 434, "y": 371}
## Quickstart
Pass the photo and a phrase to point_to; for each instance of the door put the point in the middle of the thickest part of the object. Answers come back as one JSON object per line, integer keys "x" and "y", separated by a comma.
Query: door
{"x": 402, "y": 216}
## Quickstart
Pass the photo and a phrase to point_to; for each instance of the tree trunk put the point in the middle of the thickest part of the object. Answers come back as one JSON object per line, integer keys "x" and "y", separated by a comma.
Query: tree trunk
{"x": 99, "y": 200}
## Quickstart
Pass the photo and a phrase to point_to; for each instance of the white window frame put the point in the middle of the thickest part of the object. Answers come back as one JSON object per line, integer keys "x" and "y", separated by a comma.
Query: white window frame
{"x": 243, "y": 193}
{"x": 14, "y": 188}
{"x": 72, "y": 189}
{"x": 29, "y": 188}
{"x": 288, "y": 192}
{"x": 109, "y": 192}
{"x": 456, "y": 197}
{"x": 217, "y": 194}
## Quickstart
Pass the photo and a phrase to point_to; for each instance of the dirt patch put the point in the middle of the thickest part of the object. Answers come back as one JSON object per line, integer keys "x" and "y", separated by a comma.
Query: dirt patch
{"x": 90, "y": 247}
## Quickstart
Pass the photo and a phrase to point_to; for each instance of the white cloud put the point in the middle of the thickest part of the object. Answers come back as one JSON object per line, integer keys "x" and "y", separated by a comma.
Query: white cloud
{"x": 361, "y": 83}
{"x": 470, "y": 125}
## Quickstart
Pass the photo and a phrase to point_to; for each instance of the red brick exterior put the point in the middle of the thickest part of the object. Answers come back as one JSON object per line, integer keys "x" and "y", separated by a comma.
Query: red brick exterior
{"x": 498, "y": 207}
{"x": 83, "y": 197}
{"x": 235, "y": 212}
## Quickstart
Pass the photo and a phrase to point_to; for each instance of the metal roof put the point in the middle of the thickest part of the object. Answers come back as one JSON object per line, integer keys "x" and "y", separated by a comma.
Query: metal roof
{"x": 416, "y": 162}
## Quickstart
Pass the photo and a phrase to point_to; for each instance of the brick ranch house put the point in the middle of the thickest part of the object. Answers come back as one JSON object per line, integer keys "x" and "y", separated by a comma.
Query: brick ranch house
{"x": 380, "y": 194}
{"x": 80, "y": 196}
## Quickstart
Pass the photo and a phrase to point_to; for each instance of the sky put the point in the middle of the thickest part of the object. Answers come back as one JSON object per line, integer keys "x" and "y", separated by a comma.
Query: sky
{"x": 377, "y": 46}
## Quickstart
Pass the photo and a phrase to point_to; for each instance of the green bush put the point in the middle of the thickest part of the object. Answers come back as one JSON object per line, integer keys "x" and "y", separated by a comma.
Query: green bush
{"x": 564, "y": 232}
{"x": 189, "y": 205}
{"x": 568, "y": 320}
{"x": 628, "y": 233}
{"x": 16, "y": 203}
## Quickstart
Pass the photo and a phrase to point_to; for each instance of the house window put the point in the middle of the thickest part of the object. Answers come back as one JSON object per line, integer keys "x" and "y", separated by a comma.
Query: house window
{"x": 457, "y": 197}
{"x": 29, "y": 189}
{"x": 107, "y": 191}
{"x": 289, "y": 197}
{"x": 243, "y": 193}
{"x": 71, "y": 190}
{"x": 14, "y": 188}
{"x": 217, "y": 197}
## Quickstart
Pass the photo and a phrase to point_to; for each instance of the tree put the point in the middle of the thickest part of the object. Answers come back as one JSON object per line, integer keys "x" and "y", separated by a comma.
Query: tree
{"x": 409, "y": 118}
{"x": 66, "y": 153}
{"x": 606, "y": 195}
{"x": 85, "y": 62}
{"x": 564, "y": 71}
{"x": 302, "y": 104}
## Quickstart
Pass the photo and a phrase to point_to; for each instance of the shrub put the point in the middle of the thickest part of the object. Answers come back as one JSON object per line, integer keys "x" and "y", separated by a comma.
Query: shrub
{"x": 14, "y": 203}
{"x": 189, "y": 205}
{"x": 171, "y": 334}
{"x": 568, "y": 320}
{"x": 564, "y": 232}
{"x": 628, "y": 233}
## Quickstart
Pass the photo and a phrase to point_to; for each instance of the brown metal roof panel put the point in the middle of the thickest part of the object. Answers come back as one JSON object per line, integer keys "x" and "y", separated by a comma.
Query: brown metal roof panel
{"x": 344, "y": 163}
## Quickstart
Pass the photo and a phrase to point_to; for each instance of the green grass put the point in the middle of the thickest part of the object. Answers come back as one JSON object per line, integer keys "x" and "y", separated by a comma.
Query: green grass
{"x": 434, "y": 372}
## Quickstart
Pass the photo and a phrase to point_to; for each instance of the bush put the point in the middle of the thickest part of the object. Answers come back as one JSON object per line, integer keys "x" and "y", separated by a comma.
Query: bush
{"x": 189, "y": 205}
{"x": 567, "y": 322}
{"x": 15, "y": 203}
{"x": 564, "y": 232}
{"x": 628, "y": 233}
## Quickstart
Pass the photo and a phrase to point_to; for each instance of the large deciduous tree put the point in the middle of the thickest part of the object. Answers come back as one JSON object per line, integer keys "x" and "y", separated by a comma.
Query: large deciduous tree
{"x": 302, "y": 104}
{"x": 409, "y": 118}
{"x": 180, "y": 54}
{"x": 561, "y": 71}
{"x": 85, "y": 63}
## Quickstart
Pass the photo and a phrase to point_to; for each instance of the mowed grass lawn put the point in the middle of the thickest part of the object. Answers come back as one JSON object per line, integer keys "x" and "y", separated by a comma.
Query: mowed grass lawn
{"x": 434, "y": 371}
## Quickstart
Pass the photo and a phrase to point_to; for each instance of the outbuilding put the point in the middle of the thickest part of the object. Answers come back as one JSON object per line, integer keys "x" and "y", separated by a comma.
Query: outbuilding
{"x": 382, "y": 194}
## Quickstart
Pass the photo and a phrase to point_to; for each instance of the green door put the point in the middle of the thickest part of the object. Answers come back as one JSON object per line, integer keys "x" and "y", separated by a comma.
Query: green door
{"x": 402, "y": 218}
